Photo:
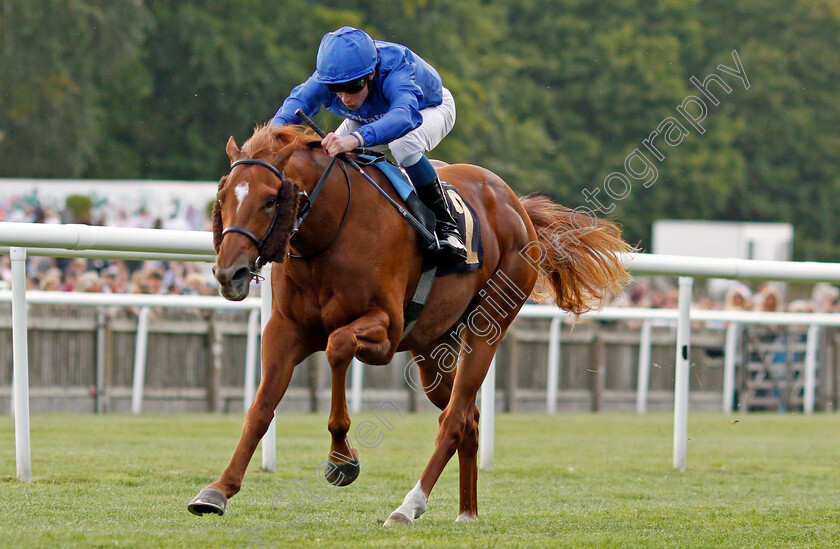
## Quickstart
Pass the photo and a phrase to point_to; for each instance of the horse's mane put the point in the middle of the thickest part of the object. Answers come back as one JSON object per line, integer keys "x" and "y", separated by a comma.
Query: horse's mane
{"x": 268, "y": 139}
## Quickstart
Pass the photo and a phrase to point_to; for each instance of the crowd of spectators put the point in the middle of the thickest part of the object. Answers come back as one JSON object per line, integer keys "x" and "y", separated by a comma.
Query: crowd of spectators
{"x": 113, "y": 276}
{"x": 32, "y": 208}
{"x": 740, "y": 296}
{"x": 98, "y": 275}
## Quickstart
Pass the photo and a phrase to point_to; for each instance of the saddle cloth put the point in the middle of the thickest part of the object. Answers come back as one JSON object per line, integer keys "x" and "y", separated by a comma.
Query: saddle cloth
{"x": 463, "y": 213}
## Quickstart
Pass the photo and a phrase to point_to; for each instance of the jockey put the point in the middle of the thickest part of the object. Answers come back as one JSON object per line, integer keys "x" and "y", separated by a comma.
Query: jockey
{"x": 389, "y": 96}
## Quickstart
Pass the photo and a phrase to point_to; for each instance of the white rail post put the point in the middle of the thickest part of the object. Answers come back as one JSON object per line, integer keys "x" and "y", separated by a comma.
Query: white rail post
{"x": 811, "y": 368}
{"x": 488, "y": 418}
{"x": 643, "y": 383}
{"x": 729, "y": 357}
{"x": 357, "y": 373}
{"x": 681, "y": 379}
{"x": 553, "y": 364}
{"x": 20, "y": 359}
{"x": 269, "y": 440}
{"x": 99, "y": 401}
{"x": 140, "y": 361}
{"x": 251, "y": 353}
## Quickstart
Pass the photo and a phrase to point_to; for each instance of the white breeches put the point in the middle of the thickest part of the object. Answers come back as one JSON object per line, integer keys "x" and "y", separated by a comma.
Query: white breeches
{"x": 407, "y": 150}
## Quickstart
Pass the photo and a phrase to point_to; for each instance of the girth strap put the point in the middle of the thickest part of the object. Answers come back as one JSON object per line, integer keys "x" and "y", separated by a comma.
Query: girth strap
{"x": 421, "y": 295}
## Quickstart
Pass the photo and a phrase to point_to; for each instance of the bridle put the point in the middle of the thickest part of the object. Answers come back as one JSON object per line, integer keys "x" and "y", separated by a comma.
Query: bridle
{"x": 305, "y": 202}
{"x": 258, "y": 242}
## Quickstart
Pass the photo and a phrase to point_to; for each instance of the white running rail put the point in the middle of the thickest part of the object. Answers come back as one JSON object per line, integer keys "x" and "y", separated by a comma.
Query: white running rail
{"x": 18, "y": 239}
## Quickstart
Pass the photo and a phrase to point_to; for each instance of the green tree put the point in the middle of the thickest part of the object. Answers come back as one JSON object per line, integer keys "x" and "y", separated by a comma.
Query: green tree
{"x": 218, "y": 72}
{"x": 602, "y": 76}
{"x": 55, "y": 60}
{"x": 791, "y": 114}
{"x": 551, "y": 94}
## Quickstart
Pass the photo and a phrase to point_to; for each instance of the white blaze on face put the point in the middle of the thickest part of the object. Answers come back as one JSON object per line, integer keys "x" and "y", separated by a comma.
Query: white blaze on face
{"x": 241, "y": 191}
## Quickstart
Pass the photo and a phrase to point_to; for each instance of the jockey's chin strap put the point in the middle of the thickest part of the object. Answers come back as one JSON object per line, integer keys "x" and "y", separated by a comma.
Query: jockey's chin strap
{"x": 305, "y": 202}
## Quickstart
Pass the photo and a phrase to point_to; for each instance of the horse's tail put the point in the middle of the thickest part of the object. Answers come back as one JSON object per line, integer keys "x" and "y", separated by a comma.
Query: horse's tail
{"x": 577, "y": 255}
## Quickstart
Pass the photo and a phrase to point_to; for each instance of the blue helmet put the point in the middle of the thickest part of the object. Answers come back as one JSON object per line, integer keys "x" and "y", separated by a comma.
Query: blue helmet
{"x": 344, "y": 55}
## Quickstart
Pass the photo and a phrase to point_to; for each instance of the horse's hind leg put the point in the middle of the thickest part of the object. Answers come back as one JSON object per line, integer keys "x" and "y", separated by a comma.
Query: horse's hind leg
{"x": 368, "y": 337}
{"x": 467, "y": 449}
{"x": 437, "y": 363}
{"x": 437, "y": 376}
{"x": 485, "y": 326}
{"x": 468, "y": 469}
{"x": 458, "y": 431}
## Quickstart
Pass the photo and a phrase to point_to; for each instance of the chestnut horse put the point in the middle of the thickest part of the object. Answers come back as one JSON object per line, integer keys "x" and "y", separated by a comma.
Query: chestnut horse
{"x": 342, "y": 280}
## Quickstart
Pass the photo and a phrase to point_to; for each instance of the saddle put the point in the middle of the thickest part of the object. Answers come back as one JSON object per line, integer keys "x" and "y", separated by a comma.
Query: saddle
{"x": 468, "y": 223}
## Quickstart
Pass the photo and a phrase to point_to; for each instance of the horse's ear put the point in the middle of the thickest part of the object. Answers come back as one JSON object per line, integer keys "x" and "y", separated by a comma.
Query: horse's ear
{"x": 285, "y": 153}
{"x": 232, "y": 150}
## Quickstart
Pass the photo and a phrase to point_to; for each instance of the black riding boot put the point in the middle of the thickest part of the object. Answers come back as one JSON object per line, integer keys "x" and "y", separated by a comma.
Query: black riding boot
{"x": 450, "y": 243}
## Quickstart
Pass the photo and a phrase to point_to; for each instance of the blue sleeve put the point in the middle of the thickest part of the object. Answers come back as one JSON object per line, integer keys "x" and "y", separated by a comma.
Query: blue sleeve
{"x": 307, "y": 97}
{"x": 403, "y": 96}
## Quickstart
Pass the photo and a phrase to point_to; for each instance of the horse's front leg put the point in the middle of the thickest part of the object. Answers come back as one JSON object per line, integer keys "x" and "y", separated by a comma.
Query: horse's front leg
{"x": 368, "y": 338}
{"x": 281, "y": 351}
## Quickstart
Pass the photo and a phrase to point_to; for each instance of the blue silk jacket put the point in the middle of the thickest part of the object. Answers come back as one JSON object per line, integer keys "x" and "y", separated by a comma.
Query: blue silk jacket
{"x": 403, "y": 85}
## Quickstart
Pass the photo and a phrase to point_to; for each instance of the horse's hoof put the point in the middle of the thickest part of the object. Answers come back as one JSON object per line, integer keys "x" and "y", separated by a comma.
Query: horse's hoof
{"x": 466, "y": 517}
{"x": 208, "y": 501}
{"x": 342, "y": 474}
{"x": 398, "y": 518}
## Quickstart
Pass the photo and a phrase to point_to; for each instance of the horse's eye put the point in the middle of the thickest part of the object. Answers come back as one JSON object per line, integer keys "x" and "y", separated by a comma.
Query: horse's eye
{"x": 269, "y": 202}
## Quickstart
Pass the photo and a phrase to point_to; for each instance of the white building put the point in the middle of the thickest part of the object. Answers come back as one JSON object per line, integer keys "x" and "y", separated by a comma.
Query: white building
{"x": 726, "y": 239}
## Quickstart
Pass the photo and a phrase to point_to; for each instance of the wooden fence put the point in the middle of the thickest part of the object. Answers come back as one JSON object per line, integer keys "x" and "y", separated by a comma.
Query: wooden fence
{"x": 196, "y": 362}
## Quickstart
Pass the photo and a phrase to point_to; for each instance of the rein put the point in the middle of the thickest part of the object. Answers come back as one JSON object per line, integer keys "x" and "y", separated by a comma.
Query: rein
{"x": 307, "y": 201}
{"x": 310, "y": 199}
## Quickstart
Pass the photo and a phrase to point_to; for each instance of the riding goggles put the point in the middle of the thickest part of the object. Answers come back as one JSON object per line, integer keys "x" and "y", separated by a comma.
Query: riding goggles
{"x": 353, "y": 86}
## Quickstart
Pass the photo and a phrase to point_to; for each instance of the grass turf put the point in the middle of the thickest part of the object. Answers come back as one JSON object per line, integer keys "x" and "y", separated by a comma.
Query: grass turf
{"x": 602, "y": 480}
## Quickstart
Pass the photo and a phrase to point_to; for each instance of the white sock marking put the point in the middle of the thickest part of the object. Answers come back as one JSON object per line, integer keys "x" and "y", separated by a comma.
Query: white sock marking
{"x": 466, "y": 517}
{"x": 414, "y": 503}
